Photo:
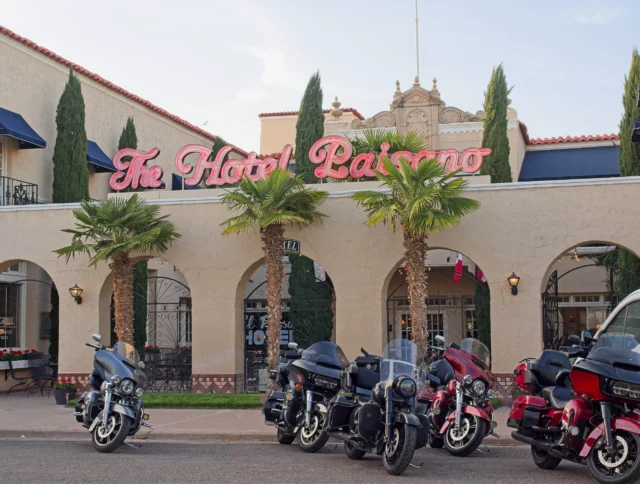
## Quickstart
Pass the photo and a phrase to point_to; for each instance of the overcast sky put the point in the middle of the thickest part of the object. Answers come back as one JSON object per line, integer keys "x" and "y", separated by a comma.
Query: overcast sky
{"x": 223, "y": 62}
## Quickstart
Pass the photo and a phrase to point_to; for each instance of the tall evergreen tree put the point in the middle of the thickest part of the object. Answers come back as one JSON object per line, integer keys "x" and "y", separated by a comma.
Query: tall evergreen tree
{"x": 309, "y": 128}
{"x": 70, "y": 172}
{"x": 218, "y": 144}
{"x": 495, "y": 128}
{"x": 129, "y": 139}
{"x": 629, "y": 166}
{"x": 54, "y": 318}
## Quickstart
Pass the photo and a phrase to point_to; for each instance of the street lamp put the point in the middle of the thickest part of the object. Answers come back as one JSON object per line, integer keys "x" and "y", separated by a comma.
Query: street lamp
{"x": 514, "y": 280}
{"x": 76, "y": 293}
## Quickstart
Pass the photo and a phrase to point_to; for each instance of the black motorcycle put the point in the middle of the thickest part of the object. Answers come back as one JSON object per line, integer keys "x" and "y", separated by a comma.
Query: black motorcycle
{"x": 376, "y": 413}
{"x": 112, "y": 410}
{"x": 308, "y": 380}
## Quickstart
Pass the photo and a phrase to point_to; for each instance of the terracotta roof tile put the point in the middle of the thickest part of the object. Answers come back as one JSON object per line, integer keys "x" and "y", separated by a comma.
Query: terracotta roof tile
{"x": 293, "y": 113}
{"x": 574, "y": 139}
{"x": 100, "y": 80}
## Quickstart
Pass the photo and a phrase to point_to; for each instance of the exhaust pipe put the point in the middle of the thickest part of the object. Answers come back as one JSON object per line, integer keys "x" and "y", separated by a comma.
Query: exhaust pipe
{"x": 537, "y": 443}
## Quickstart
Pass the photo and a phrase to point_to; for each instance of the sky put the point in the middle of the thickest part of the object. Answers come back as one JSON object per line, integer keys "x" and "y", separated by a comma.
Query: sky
{"x": 218, "y": 64}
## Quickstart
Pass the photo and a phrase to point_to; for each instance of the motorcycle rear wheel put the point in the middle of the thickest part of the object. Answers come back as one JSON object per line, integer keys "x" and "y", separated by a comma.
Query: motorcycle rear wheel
{"x": 470, "y": 436}
{"x": 621, "y": 467}
{"x": 544, "y": 460}
{"x": 285, "y": 438}
{"x": 352, "y": 452}
{"x": 108, "y": 439}
{"x": 403, "y": 445}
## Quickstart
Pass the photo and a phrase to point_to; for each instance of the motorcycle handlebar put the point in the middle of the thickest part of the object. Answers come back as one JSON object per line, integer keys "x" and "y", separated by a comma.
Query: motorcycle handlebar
{"x": 93, "y": 346}
{"x": 364, "y": 352}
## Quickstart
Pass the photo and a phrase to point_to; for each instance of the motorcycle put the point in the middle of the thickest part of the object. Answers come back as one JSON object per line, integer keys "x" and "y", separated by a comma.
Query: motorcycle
{"x": 457, "y": 404}
{"x": 112, "y": 410}
{"x": 378, "y": 416}
{"x": 591, "y": 415}
{"x": 307, "y": 380}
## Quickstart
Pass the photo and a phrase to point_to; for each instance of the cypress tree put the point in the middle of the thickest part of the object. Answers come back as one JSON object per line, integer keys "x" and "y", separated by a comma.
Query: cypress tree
{"x": 218, "y": 144}
{"x": 70, "y": 172}
{"x": 629, "y": 166}
{"x": 495, "y": 128}
{"x": 54, "y": 318}
{"x": 311, "y": 314}
{"x": 309, "y": 128}
{"x": 129, "y": 139}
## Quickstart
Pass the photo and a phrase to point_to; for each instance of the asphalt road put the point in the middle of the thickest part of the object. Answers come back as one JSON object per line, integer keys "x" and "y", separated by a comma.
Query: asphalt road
{"x": 49, "y": 461}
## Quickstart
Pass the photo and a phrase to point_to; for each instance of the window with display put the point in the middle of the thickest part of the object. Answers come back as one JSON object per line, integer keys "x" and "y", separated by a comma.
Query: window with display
{"x": 9, "y": 315}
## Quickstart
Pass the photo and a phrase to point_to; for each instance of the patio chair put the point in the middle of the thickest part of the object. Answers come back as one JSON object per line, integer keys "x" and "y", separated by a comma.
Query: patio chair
{"x": 40, "y": 374}
{"x": 24, "y": 381}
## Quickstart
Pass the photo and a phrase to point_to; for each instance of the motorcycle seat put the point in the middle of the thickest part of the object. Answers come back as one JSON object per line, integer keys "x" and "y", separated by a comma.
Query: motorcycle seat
{"x": 557, "y": 397}
{"x": 548, "y": 365}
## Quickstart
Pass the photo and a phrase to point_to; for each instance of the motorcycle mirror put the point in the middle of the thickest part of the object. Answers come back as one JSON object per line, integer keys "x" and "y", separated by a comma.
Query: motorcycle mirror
{"x": 440, "y": 339}
{"x": 292, "y": 346}
{"x": 97, "y": 337}
{"x": 573, "y": 339}
{"x": 586, "y": 337}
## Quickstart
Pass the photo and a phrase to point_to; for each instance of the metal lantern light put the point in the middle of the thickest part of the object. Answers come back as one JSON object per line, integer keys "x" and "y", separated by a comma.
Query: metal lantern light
{"x": 76, "y": 293}
{"x": 514, "y": 280}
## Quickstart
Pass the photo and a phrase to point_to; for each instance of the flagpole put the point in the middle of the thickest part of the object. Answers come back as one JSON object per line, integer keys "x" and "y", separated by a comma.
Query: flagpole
{"x": 417, "y": 47}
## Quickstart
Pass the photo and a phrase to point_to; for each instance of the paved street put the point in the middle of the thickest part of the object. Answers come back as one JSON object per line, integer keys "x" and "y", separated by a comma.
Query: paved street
{"x": 73, "y": 461}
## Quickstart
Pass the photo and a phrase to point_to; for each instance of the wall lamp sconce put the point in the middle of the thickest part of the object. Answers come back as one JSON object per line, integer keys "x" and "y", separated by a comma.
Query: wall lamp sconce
{"x": 76, "y": 294}
{"x": 514, "y": 280}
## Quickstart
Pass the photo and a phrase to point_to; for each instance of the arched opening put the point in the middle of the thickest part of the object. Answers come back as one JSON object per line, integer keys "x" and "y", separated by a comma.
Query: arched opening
{"x": 308, "y": 314}
{"x": 162, "y": 324}
{"x": 29, "y": 309}
{"x": 581, "y": 287}
{"x": 458, "y": 299}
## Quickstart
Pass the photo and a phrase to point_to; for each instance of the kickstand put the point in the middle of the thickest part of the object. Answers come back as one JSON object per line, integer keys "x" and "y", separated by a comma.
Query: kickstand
{"x": 483, "y": 451}
{"x": 133, "y": 446}
{"x": 332, "y": 447}
{"x": 416, "y": 466}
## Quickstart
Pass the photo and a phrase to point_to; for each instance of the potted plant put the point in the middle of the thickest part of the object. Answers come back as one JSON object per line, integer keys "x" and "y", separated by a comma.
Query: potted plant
{"x": 17, "y": 357}
{"x": 151, "y": 352}
{"x": 64, "y": 391}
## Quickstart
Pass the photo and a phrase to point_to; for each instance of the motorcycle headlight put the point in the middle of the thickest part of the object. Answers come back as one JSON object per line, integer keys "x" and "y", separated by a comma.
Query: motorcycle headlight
{"x": 479, "y": 387}
{"x": 467, "y": 380}
{"x": 406, "y": 387}
{"x": 620, "y": 388}
{"x": 127, "y": 387}
{"x": 139, "y": 392}
{"x": 491, "y": 394}
{"x": 115, "y": 380}
{"x": 634, "y": 391}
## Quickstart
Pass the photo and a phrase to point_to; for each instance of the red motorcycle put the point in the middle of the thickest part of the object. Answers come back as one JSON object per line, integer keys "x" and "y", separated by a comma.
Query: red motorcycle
{"x": 590, "y": 415}
{"x": 457, "y": 403}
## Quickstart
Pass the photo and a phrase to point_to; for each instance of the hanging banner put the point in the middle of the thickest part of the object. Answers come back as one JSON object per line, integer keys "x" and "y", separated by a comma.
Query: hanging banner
{"x": 330, "y": 153}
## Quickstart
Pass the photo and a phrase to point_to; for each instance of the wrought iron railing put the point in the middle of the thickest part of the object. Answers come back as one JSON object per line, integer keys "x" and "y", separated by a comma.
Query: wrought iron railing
{"x": 17, "y": 192}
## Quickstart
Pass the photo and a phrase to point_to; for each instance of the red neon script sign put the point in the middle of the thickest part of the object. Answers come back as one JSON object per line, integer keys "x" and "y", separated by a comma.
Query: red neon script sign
{"x": 330, "y": 153}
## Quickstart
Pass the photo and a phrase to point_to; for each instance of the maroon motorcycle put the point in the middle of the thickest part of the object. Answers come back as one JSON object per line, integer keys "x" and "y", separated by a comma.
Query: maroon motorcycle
{"x": 588, "y": 413}
{"x": 457, "y": 400}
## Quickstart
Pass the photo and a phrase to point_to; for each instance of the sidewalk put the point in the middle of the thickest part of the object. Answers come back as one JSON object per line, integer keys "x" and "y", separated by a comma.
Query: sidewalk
{"x": 39, "y": 417}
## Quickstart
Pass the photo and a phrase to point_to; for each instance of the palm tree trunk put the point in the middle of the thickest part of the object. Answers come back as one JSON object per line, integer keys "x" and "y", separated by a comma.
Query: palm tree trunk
{"x": 415, "y": 248}
{"x": 272, "y": 240}
{"x": 122, "y": 274}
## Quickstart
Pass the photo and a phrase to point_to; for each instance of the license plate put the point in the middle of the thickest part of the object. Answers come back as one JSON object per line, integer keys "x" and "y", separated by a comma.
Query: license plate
{"x": 145, "y": 416}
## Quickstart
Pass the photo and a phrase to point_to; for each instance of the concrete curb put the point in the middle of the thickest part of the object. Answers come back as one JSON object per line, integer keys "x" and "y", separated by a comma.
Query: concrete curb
{"x": 189, "y": 437}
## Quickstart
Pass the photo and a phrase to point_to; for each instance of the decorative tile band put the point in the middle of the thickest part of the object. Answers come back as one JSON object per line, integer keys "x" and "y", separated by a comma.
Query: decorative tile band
{"x": 215, "y": 383}
{"x": 80, "y": 380}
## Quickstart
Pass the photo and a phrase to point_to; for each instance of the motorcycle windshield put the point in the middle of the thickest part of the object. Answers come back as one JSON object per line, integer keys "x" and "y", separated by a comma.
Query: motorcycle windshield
{"x": 126, "y": 351}
{"x": 399, "y": 358}
{"x": 478, "y": 349}
{"x": 623, "y": 341}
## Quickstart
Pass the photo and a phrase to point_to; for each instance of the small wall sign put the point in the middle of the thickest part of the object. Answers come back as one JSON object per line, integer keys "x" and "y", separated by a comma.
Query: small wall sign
{"x": 291, "y": 246}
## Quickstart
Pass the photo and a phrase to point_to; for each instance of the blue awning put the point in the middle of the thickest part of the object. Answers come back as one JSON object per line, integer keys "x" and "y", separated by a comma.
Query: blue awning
{"x": 14, "y": 125}
{"x": 176, "y": 183}
{"x": 98, "y": 158}
{"x": 570, "y": 164}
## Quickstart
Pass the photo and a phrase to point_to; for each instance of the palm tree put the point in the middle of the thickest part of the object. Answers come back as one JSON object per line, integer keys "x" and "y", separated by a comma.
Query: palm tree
{"x": 270, "y": 205}
{"x": 422, "y": 201}
{"x": 113, "y": 230}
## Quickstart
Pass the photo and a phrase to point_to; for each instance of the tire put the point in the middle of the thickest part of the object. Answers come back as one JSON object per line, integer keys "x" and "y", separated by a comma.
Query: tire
{"x": 285, "y": 438}
{"x": 314, "y": 439}
{"x": 107, "y": 442}
{"x": 544, "y": 460}
{"x": 436, "y": 442}
{"x": 352, "y": 452}
{"x": 398, "y": 462}
{"x": 624, "y": 472}
{"x": 472, "y": 426}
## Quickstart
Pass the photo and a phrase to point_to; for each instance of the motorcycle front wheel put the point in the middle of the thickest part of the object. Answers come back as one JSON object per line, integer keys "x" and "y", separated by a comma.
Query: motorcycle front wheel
{"x": 109, "y": 437}
{"x": 464, "y": 440}
{"x": 617, "y": 467}
{"x": 313, "y": 438}
{"x": 398, "y": 452}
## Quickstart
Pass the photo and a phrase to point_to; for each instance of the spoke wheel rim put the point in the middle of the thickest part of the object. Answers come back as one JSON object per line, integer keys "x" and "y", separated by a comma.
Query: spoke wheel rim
{"x": 393, "y": 448}
{"x": 310, "y": 434}
{"x": 103, "y": 435}
{"x": 460, "y": 438}
{"x": 621, "y": 461}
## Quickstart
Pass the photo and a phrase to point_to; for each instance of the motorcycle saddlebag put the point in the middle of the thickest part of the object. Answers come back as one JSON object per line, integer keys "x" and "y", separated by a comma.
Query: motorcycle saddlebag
{"x": 273, "y": 405}
{"x": 370, "y": 420}
{"x": 80, "y": 407}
